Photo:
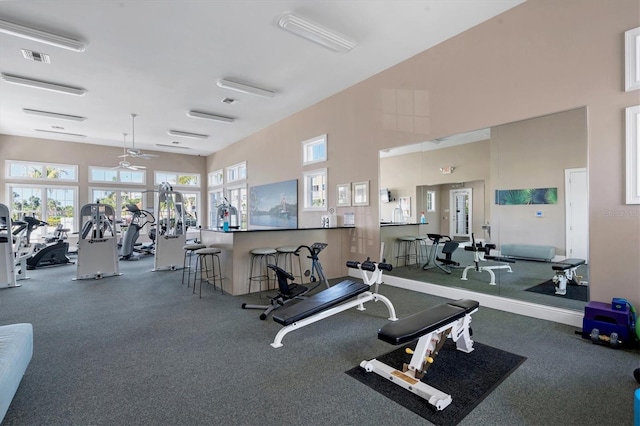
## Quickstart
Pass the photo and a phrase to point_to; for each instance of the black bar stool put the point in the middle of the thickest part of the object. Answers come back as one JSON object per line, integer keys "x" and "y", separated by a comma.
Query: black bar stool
{"x": 284, "y": 259}
{"x": 188, "y": 253}
{"x": 262, "y": 257}
{"x": 202, "y": 266}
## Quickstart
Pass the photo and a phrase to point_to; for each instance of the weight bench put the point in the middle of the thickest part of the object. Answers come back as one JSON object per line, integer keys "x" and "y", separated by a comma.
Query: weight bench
{"x": 342, "y": 296}
{"x": 431, "y": 327}
{"x": 482, "y": 254}
{"x": 565, "y": 272}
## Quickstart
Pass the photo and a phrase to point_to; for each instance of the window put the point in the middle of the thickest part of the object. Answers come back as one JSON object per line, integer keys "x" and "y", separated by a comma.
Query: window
{"x": 315, "y": 190}
{"x": 177, "y": 179}
{"x": 215, "y": 178}
{"x": 215, "y": 199}
{"x": 54, "y": 205}
{"x": 118, "y": 199}
{"x": 107, "y": 175}
{"x": 21, "y": 170}
{"x": 314, "y": 150}
{"x": 431, "y": 201}
{"x": 237, "y": 172}
{"x": 191, "y": 208}
{"x": 237, "y": 197}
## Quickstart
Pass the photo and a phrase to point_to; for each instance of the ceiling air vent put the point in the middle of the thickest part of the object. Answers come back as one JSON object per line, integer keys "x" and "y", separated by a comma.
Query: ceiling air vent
{"x": 172, "y": 146}
{"x": 229, "y": 101}
{"x": 36, "y": 56}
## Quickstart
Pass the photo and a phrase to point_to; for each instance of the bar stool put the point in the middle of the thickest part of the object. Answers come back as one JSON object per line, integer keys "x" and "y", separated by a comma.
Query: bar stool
{"x": 201, "y": 264}
{"x": 422, "y": 248}
{"x": 188, "y": 252}
{"x": 406, "y": 250}
{"x": 261, "y": 256}
{"x": 286, "y": 253}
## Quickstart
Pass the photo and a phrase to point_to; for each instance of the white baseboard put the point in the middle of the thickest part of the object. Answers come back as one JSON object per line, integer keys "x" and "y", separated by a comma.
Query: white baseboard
{"x": 534, "y": 310}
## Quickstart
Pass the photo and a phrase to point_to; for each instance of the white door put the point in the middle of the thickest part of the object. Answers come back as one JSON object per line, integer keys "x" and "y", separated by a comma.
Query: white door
{"x": 577, "y": 213}
{"x": 461, "y": 208}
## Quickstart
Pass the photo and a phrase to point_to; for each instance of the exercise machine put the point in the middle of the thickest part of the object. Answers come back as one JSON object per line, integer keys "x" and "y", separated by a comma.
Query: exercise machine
{"x": 481, "y": 253}
{"x": 129, "y": 246}
{"x": 97, "y": 243}
{"x": 342, "y": 296}
{"x": 172, "y": 232}
{"x": 433, "y": 261}
{"x": 565, "y": 273}
{"x": 287, "y": 293}
{"x": 431, "y": 327}
{"x": 50, "y": 253}
{"x": 7, "y": 258}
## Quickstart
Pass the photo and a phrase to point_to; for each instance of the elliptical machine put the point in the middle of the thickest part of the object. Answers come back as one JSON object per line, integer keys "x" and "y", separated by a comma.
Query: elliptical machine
{"x": 44, "y": 254}
{"x": 129, "y": 248}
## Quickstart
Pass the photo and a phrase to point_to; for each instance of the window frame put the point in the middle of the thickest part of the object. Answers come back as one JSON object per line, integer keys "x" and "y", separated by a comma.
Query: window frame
{"x": 308, "y": 197}
{"x": 236, "y": 168}
{"x": 215, "y": 178}
{"x": 43, "y": 166}
{"x": 431, "y": 201}
{"x": 308, "y": 145}
{"x": 43, "y": 214}
{"x": 118, "y": 180}
{"x": 177, "y": 175}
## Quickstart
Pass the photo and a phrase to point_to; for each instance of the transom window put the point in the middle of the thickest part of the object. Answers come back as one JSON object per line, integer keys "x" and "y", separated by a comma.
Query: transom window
{"x": 23, "y": 170}
{"x": 315, "y": 190}
{"x": 108, "y": 175}
{"x": 237, "y": 172}
{"x": 314, "y": 150}
{"x": 177, "y": 178}
{"x": 215, "y": 178}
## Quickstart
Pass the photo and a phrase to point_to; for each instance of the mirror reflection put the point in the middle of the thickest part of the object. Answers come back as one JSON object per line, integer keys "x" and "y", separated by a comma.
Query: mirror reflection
{"x": 501, "y": 210}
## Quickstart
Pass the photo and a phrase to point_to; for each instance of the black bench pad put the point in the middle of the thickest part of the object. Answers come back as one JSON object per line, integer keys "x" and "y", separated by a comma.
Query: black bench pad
{"x": 417, "y": 325}
{"x": 567, "y": 264}
{"x": 326, "y": 299}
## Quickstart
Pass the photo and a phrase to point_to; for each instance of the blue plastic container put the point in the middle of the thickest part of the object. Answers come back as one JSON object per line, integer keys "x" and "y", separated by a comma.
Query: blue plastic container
{"x": 636, "y": 409}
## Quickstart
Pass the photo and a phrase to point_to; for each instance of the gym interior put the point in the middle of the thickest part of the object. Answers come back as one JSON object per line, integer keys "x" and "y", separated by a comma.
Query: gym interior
{"x": 143, "y": 340}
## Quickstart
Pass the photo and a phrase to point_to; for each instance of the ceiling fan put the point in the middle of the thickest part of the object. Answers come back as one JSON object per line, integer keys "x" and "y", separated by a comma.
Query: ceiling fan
{"x": 133, "y": 152}
{"x": 124, "y": 164}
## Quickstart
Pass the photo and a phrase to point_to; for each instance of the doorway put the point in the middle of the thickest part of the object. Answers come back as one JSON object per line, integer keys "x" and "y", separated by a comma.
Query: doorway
{"x": 577, "y": 213}
{"x": 461, "y": 208}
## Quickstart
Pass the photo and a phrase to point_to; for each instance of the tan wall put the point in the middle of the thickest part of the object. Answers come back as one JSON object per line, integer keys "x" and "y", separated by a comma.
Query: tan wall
{"x": 85, "y": 155}
{"x": 541, "y": 57}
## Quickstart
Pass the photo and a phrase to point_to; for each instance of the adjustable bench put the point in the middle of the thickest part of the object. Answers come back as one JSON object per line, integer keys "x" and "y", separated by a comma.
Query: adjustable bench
{"x": 431, "y": 327}
{"x": 482, "y": 254}
{"x": 565, "y": 272}
{"x": 345, "y": 295}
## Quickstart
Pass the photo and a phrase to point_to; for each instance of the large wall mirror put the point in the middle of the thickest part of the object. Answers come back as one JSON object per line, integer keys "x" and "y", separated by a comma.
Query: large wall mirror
{"x": 521, "y": 187}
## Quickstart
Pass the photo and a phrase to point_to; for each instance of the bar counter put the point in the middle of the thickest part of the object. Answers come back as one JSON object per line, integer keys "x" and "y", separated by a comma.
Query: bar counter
{"x": 236, "y": 246}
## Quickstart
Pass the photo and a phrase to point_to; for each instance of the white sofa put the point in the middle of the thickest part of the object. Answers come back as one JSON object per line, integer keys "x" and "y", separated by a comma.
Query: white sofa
{"x": 16, "y": 349}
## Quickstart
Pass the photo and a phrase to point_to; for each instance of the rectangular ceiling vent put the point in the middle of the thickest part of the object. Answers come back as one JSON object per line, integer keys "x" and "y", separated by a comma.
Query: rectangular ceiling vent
{"x": 36, "y": 56}
{"x": 172, "y": 146}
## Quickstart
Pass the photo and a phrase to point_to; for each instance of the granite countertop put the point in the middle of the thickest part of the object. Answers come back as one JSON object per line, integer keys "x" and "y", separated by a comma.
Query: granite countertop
{"x": 400, "y": 224}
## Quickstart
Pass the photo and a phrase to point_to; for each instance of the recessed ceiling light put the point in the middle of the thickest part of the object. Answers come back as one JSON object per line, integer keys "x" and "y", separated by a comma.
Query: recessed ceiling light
{"x": 45, "y": 85}
{"x": 213, "y": 117}
{"x": 315, "y": 33}
{"x": 61, "y": 133}
{"x": 53, "y": 115}
{"x": 226, "y": 83}
{"x": 187, "y": 134}
{"x": 41, "y": 36}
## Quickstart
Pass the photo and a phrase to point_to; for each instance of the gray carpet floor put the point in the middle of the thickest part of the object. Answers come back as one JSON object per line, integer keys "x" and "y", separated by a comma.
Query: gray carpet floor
{"x": 142, "y": 349}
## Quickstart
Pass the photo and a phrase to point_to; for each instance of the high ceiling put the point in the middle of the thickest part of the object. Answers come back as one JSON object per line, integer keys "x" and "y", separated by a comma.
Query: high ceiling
{"x": 161, "y": 58}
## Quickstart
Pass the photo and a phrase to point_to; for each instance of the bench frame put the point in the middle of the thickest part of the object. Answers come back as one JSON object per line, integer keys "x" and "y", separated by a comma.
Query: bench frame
{"x": 423, "y": 356}
{"x": 373, "y": 279}
{"x": 565, "y": 272}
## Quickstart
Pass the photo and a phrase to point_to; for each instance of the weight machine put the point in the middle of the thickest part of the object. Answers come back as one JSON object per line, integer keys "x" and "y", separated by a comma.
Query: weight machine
{"x": 171, "y": 234}
{"x": 7, "y": 258}
{"x": 97, "y": 243}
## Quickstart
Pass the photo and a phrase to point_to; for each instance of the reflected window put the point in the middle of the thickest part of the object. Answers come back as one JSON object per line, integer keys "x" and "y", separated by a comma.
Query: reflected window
{"x": 431, "y": 201}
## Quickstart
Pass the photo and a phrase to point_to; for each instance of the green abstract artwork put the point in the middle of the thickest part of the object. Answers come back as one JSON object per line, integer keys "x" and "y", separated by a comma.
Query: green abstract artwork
{"x": 527, "y": 196}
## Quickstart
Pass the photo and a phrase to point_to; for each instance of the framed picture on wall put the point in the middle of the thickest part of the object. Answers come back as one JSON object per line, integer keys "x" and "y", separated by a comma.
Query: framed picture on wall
{"x": 343, "y": 195}
{"x": 361, "y": 193}
{"x": 633, "y": 155}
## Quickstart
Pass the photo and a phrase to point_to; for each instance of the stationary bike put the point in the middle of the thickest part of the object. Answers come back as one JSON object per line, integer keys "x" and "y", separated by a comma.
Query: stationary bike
{"x": 52, "y": 252}
{"x": 129, "y": 247}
